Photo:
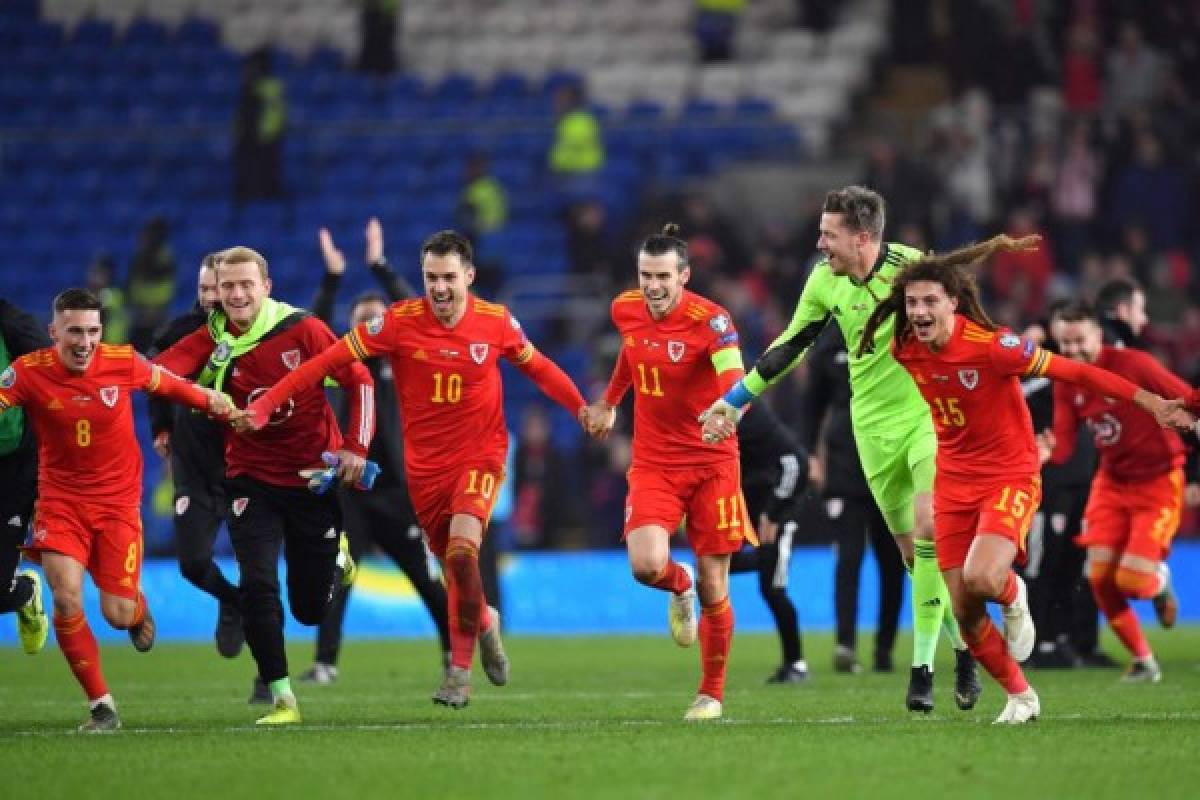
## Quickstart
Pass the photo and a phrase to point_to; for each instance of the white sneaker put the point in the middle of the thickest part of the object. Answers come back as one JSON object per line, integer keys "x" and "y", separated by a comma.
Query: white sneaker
{"x": 1019, "y": 633}
{"x": 320, "y": 673}
{"x": 1020, "y": 708}
{"x": 703, "y": 708}
{"x": 681, "y": 613}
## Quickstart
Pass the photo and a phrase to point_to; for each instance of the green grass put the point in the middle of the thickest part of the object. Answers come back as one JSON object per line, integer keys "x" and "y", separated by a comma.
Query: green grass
{"x": 596, "y": 717}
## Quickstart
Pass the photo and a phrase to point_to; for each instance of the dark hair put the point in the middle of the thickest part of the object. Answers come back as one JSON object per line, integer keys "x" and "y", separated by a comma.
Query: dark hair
{"x": 210, "y": 260}
{"x": 1073, "y": 311}
{"x": 658, "y": 244}
{"x": 444, "y": 243}
{"x": 1114, "y": 293}
{"x": 861, "y": 208}
{"x": 76, "y": 299}
{"x": 950, "y": 271}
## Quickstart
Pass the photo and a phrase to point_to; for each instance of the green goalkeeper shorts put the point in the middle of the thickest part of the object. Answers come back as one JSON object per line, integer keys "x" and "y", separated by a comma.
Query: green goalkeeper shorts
{"x": 898, "y": 468}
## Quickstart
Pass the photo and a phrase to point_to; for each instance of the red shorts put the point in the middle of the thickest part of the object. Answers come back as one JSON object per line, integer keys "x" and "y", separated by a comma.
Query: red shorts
{"x": 107, "y": 540}
{"x": 1138, "y": 518}
{"x": 470, "y": 489}
{"x": 708, "y": 498}
{"x": 1005, "y": 509}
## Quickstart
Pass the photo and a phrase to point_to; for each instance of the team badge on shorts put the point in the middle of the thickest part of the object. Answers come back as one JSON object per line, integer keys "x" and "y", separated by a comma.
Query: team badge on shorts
{"x": 375, "y": 325}
{"x": 108, "y": 396}
{"x": 291, "y": 359}
{"x": 181, "y": 505}
{"x": 969, "y": 378}
{"x": 479, "y": 353}
{"x": 8, "y": 378}
{"x": 239, "y": 505}
{"x": 675, "y": 350}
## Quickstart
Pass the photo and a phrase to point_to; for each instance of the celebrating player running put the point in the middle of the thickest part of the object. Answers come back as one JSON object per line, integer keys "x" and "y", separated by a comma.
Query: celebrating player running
{"x": 988, "y": 484}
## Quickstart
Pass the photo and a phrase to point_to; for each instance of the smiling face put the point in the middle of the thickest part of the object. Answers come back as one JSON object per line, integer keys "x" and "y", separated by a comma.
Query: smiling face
{"x": 206, "y": 288}
{"x": 1078, "y": 339}
{"x": 242, "y": 290}
{"x": 447, "y": 279}
{"x": 930, "y": 312}
{"x": 661, "y": 280}
{"x": 841, "y": 245}
{"x": 76, "y": 335}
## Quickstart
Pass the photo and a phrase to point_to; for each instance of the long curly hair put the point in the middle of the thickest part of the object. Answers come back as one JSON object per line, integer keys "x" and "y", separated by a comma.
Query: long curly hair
{"x": 949, "y": 270}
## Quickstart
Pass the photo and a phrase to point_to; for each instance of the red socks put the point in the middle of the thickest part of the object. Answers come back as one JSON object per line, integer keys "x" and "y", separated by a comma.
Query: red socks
{"x": 465, "y": 595}
{"x": 1008, "y": 594}
{"x": 989, "y": 649}
{"x": 1116, "y": 609}
{"x": 78, "y": 644}
{"x": 673, "y": 579}
{"x": 139, "y": 613}
{"x": 716, "y": 635}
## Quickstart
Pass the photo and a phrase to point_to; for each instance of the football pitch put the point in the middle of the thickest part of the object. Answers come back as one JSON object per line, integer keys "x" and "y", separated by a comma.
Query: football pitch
{"x": 593, "y": 717}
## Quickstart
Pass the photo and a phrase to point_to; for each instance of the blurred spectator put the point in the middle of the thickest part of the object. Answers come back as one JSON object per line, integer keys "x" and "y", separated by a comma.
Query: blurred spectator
{"x": 716, "y": 26}
{"x": 101, "y": 279}
{"x": 1134, "y": 70}
{"x": 483, "y": 205}
{"x": 378, "y": 27}
{"x": 907, "y": 184}
{"x": 714, "y": 246}
{"x": 1121, "y": 306}
{"x": 1073, "y": 196}
{"x": 1083, "y": 82}
{"x": 1166, "y": 299}
{"x": 590, "y": 248}
{"x": 578, "y": 148}
{"x": 1152, "y": 194}
{"x": 259, "y": 128}
{"x": 817, "y": 15}
{"x": 1023, "y": 276}
{"x": 151, "y": 282}
{"x": 541, "y": 506}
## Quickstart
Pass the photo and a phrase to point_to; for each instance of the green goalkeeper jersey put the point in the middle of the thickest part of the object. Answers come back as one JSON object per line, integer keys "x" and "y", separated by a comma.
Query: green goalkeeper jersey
{"x": 884, "y": 398}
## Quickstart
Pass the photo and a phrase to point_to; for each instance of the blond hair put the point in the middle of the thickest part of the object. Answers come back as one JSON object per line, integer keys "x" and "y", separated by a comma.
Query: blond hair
{"x": 242, "y": 255}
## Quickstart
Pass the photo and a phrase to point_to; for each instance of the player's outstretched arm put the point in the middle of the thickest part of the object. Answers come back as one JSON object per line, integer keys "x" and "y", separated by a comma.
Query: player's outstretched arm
{"x": 311, "y": 372}
{"x": 163, "y": 383}
{"x": 1102, "y": 382}
{"x": 720, "y": 420}
{"x": 553, "y": 382}
{"x": 396, "y": 287}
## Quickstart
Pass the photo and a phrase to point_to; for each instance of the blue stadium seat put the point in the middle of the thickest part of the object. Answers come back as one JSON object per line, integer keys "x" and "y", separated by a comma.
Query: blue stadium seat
{"x": 144, "y": 31}
{"x": 93, "y": 33}
{"x": 197, "y": 32}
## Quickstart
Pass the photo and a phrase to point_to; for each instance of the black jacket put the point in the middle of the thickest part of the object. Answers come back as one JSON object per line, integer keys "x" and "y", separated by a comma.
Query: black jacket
{"x": 829, "y": 391}
{"x": 22, "y": 334}
{"x": 774, "y": 465}
{"x": 196, "y": 441}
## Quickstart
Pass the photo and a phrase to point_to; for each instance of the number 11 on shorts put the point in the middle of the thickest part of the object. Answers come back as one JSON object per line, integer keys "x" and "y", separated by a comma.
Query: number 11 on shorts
{"x": 732, "y": 519}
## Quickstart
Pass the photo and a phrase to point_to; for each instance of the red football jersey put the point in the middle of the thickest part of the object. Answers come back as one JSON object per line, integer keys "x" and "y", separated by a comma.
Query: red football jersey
{"x": 1132, "y": 445}
{"x": 448, "y": 379}
{"x": 87, "y": 449}
{"x": 971, "y": 385}
{"x": 669, "y": 364}
{"x": 305, "y": 425}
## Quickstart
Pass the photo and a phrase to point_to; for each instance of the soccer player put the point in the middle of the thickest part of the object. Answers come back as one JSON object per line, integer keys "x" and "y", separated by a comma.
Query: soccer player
{"x": 679, "y": 348}
{"x": 444, "y": 351}
{"x": 988, "y": 484}
{"x": 892, "y": 429}
{"x": 19, "y": 592}
{"x": 1121, "y": 307}
{"x": 1136, "y": 499}
{"x": 76, "y": 395}
{"x": 383, "y": 516}
{"x": 250, "y": 342}
{"x": 774, "y": 470}
{"x": 193, "y": 446}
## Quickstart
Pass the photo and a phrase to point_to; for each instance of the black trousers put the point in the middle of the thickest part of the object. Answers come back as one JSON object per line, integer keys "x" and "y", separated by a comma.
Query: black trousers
{"x": 263, "y": 520}
{"x": 856, "y": 520}
{"x": 385, "y": 518}
{"x": 771, "y": 562}
{"x": 18, "y": 476}
{"x": 1060, "y": 599}
{"x": 200, "y": 507}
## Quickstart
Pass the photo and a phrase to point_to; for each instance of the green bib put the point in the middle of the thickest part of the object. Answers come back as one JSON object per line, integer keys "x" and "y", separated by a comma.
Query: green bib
{"x": 12, "y": 422}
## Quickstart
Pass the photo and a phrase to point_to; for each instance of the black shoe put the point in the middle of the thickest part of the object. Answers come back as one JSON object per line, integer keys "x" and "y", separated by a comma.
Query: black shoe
{"x": 844, "y": 660}
{"x": 230, "y": 635}
{"x": 966, "y": 680}
{"x": 920, "y": 690}
{"x": 1097, "y": 659}
{"x": 789, "y": 673}
{"x": 1051, "y": 655}
{"x": 143, "y": 634}
{"x": 101, "y": 719}
{"x": 260, "y": 695}
{"x": 883, "y": 663}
